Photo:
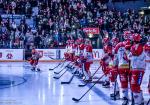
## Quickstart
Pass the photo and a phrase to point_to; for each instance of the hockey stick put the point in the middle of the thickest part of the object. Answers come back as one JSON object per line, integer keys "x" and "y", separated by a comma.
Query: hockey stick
{"x": 115, "y": 90}
{"x": 55, "y": 67}
{"x": 76, "y": 100}
{"x": 82, "y": 85}
{"x": 39, "y": 71}
{"x": 115, "y": 94}
{"x": 60, "y": 75}
{"x": 63, "y": 63}
{"x": 61, "y": 69}
{"x": 148, "y": 102}
{"x": 69, "y": 80}
{"x": 54, "y": 58}
{"x": 149, "y": 90}
{"x": 58, "y": 65}
{"x": 132, "y": 97}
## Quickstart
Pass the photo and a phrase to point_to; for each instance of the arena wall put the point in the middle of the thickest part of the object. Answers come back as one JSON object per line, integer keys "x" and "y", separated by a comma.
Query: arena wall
{"x": 47, "y": 55}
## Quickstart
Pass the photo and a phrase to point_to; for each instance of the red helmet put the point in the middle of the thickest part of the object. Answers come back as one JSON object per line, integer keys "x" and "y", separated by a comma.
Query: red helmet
{"x": 115, "y": 41}
{"x": 105, "y": 40}
{"x": 108, "y": 49}
{"x": 136, "y": 50}
{"x": 127, "y": 44}
{"x": 80, "y": 40}
{"x": 77, "y": 41}
{"x": 118, "y": 46}
{"x": 105, "y": 49}
{"x": 137, "y": 37}
{"x": 33, "y": 51}
{"x": 71, "y": 41}
{"x": 127, "y": 35}
{"x": 146, "y": 47}
{"x": 68, "y": 41}
{"x": 87, "y": 41}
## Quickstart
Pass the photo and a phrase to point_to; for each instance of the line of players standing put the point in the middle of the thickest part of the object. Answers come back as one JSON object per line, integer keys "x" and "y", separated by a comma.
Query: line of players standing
{"x": 124, "y": 59}
{"x": 80, "y": 53}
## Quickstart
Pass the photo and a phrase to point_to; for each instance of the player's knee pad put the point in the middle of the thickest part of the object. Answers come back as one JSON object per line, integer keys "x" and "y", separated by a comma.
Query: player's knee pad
{"x": 31, "y": 62}
{"x": 113, "y": 74}
{"x": 36, "y": 62}
{"x": 124, "y": 76}
{"x": 106, "y": 70}
{"x": 136, "y": 80}
{"x": 87, "y": 66}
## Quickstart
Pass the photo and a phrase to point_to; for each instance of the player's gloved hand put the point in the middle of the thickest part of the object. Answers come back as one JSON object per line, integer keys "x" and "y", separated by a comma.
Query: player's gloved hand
{"x": 83, "y": 60}
{"x": 78, "y": 60}
{"x": 101, "y": 62}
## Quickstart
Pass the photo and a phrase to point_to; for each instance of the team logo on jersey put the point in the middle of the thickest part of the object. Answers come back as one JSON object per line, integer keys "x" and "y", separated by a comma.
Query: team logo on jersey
{"x": 133, "y": 79}
{"x": 140, "y": 78}
{"x": 122, "y": 77}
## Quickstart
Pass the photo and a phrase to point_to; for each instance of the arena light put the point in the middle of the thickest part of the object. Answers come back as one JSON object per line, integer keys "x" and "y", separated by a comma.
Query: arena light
{"x": 73, "y": 26}
{"x": 106, "y": 35}
{"x": 142, "y": 12}
{"x": 90, "y": 35}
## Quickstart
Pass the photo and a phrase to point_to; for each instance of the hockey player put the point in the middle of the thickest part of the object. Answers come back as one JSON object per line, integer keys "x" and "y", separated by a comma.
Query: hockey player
{"x": 113, "y": 69}
{"x": 72, "y": 48}
{"x": 87, "y": 60}
{"x": 34, "y": 60}
{"x": 75, "y": 57}
{"x": 148, "y": 91}
{"x": 105, "y": 41}
{"x": 78, "y": 65}
{"x": 104, "y": 62}
{"x": 81, "y": 47}
{"x": 138, "y": 66}
{"x": 123, "y": 67}
{"x": 114, "y": 41}
{"x": 66, "y": 54}
{"x": 147, "y": 52}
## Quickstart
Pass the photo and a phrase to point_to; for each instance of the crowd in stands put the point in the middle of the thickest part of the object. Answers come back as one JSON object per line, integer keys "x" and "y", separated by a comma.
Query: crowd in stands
{"x": 55, "y": 21}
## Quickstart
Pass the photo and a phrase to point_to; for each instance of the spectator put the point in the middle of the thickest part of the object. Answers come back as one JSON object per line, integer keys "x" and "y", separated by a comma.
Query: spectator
{"x": 57, "y": 20}
{"x": 37, "y": 41}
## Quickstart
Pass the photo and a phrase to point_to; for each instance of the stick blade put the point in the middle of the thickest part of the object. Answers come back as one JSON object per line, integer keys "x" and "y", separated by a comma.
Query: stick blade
{"x": 82, "y": 85}
{"x": 65, "y": 82}
{"x": 56, "y": 77}
{"x": 51, "y": 69}
{"x": 68, "y": 82}
{"x": 56, "y": 73}
{"x": 98, "y": 82}
{"x": 76, "y": 100}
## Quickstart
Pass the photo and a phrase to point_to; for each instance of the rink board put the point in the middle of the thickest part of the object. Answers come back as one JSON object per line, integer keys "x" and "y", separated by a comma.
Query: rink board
{"x": 47, "y": 55}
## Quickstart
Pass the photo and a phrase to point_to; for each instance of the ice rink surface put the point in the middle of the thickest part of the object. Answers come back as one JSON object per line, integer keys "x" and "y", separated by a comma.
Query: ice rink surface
{"x": 40, "y": 88}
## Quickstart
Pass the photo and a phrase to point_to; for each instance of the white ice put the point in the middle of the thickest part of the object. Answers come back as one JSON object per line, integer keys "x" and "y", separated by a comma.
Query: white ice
{"x": 34, "y": 88}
